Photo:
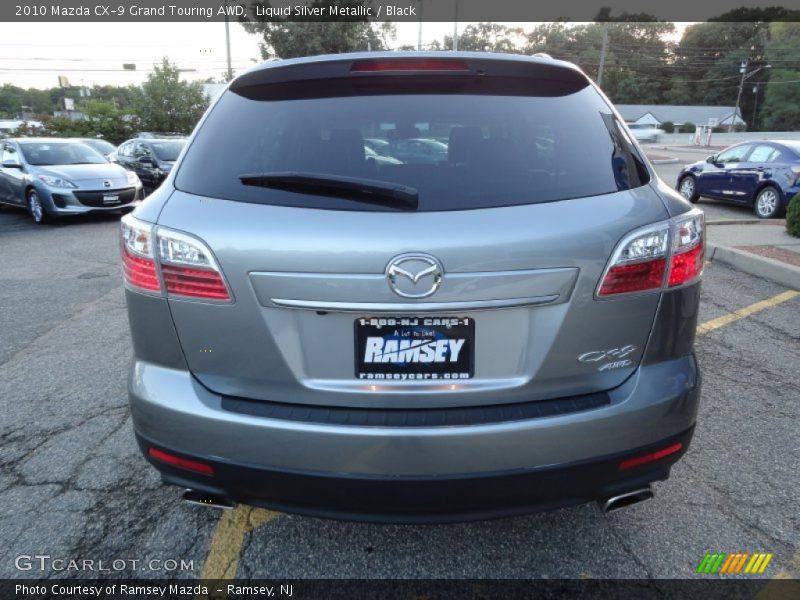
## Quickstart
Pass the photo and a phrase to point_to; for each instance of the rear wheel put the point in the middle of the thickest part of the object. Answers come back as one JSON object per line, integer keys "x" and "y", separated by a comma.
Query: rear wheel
{"x": 768, "y": 203}
{"x": 37, "y": 209}
{"x": 688, "y": 188}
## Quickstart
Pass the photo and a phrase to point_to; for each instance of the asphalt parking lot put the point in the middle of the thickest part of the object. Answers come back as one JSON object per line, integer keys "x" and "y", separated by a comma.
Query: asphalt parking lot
{"x": 74, "y": 486}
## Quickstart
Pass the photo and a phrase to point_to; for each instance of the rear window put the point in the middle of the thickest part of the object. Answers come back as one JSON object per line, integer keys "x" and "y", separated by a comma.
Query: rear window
{"x": 794, "y": 147}
{"x": 458, "y": 150}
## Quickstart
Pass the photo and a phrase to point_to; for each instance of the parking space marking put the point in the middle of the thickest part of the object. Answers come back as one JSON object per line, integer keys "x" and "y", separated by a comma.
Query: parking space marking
{"x": 226, "y": 543}
{"x": 747, "y": 311}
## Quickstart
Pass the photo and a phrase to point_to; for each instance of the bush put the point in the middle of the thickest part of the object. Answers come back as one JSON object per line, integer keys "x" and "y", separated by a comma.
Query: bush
{"x": 686, "y": 128}
{"x": 668, "y": 127}
{"x": 793, "y": 216}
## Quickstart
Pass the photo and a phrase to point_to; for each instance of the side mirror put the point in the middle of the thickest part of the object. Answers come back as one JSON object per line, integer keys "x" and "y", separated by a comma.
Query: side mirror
{"x": 711, "y": 159}
{"x": 11, "y": 164}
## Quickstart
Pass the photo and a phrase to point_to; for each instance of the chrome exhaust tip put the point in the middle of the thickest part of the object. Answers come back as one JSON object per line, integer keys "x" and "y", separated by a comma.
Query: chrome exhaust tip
{"x": 627, "y": 499}
{"x": 208, "y": 500}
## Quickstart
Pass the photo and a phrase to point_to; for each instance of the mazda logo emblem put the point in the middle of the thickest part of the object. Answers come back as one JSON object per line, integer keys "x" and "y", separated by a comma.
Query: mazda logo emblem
{"x": 107, "y": 183}
{"x": 414, "y": 275}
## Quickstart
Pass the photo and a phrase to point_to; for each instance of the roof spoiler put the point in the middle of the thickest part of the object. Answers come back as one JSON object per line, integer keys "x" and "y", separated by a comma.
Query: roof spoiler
{"x": 276, "y": 79}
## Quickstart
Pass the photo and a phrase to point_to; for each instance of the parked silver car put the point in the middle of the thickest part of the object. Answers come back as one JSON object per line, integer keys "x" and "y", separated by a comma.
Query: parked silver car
{"x": 506, "y": 329}
{"x": 54, "y": 177}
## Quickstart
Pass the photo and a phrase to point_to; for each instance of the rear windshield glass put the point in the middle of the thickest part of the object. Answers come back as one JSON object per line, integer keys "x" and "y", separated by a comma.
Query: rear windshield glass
{"x": 459, "y": 151}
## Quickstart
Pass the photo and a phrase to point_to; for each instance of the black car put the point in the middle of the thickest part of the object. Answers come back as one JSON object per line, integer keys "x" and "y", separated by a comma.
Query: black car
{"x": 150, "y": 158}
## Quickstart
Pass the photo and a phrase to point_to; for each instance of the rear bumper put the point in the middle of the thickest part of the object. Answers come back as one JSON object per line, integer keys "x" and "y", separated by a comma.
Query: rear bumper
{"x": 429, "y": 499}
{"x": 417, "y": 473}
{"x": 788, "y": 194}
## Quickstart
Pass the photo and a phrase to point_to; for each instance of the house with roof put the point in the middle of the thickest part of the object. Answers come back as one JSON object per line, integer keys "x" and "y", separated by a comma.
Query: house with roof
{"x": 655, "y": 114}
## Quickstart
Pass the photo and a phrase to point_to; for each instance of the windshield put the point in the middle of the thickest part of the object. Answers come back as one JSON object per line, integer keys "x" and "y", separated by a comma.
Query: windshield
{"x": 101, "y": 146}
{"x": 41, "y": 154}
{"x": 167, "y": 151}
{"x": 458, "y": 150}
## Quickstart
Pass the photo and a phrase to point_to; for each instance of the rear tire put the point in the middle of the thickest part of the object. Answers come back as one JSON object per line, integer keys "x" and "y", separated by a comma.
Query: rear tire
{"x": 687, "y": 187}
{"x": 768, "y": 203}
{"x": 36, "y": 208}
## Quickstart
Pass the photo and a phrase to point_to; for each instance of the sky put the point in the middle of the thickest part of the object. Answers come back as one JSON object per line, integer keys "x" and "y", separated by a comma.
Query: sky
{"x": 35, "y": 54}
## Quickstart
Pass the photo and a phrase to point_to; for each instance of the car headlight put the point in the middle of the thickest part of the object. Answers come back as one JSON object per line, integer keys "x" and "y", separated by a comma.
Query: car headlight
{"x": 57, "y": 181}
{"x": 133, "y": 178}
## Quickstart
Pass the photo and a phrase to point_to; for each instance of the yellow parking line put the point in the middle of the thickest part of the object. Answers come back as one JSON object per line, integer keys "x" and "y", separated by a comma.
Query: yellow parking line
{"x": 745, "y": 312}
{"x": 226, "y": 543}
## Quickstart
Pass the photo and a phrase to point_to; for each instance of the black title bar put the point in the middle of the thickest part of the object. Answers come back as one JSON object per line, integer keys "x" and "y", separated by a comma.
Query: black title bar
{"x": 107, "y": 11}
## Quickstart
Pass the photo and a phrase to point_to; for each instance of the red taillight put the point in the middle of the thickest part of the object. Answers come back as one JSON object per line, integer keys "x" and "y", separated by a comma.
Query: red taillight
{"x": 138, "y": 261}
{"x": 181, "y": 463}
{"x": 637, "y": 461}
{"x": 633, "y": 277}
{"x": 194, "y": 283}
{"x": 188, "y": 268}
{"x": 140, "y": 272}
{"x": 640, "y": 261}
{"x": 686, "y": 266}
{"x": 422, "y": 64}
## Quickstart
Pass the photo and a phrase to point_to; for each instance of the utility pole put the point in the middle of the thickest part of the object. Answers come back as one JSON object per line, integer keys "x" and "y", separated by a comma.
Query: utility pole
{"x": 419, "y": 32}
{"x": 228, "y": 42}
{"x": 743, "y": 71}
{"x": 755, "y": 104}
{"x": 745, "y": 75}
{"x": 603, "y": 51}
{"x": 455, "y": 30}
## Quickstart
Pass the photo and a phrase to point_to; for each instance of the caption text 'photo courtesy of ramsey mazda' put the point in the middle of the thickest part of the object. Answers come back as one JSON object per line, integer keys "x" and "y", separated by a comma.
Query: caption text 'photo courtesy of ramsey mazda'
{"x": 413, "y": 287}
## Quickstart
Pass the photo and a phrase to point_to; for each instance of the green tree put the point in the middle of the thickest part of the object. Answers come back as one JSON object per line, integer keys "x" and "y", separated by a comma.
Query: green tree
{"x": 635, "y": 67}
{"x": 13, "y": 99}
{"x": 309, "y": 36}
{"x": 781, "y": 107}
{"x": 104, "y": 119}
{"x": 120, "y": 97}
{"x": 165, "y": 103}
{"x": 708, "y": 58}
{"x": 488, "y": 37}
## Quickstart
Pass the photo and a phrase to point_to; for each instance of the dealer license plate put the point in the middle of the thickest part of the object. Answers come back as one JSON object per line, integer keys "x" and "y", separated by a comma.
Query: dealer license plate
{"x": 415, "y": 348}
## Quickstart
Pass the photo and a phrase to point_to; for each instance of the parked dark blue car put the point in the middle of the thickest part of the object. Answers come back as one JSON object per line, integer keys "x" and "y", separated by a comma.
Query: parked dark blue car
{"x": 761, "y": 174}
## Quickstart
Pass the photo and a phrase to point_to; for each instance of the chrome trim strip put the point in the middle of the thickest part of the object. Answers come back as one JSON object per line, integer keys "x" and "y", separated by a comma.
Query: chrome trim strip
{"x": 414, "y": 308}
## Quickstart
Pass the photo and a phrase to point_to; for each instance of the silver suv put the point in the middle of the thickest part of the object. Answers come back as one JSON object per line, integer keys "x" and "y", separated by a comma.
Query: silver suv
{"x": 499, "y": 320}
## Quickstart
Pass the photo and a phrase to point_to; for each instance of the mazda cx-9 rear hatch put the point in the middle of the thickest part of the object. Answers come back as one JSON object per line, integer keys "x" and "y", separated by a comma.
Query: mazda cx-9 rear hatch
{"x": 504, "y": 246}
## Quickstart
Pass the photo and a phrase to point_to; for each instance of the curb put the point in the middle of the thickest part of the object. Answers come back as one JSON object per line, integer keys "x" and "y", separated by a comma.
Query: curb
{"x": 690, "y": 148}
{"x": 664, "y": 161}
{"x": 760, "y": 266}
{"x": 735, "y": 222}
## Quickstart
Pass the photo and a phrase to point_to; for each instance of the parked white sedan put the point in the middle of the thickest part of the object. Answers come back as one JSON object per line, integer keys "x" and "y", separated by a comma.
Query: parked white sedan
{"x": 645, "y": 132}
